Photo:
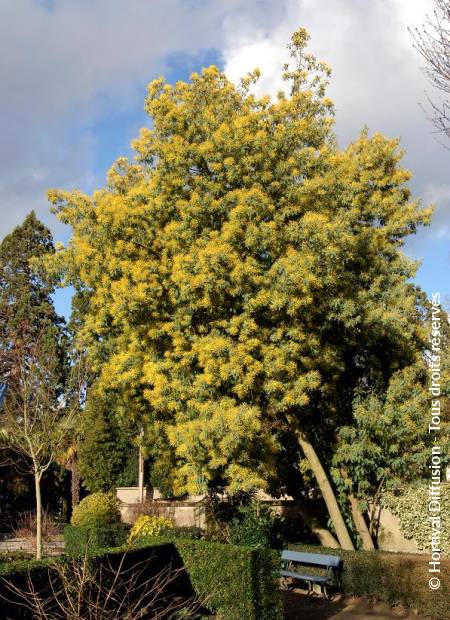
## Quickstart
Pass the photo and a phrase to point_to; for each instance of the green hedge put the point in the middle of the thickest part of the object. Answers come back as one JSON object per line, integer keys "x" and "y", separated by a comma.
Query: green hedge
{"x": 395, "y": 578}
{"x": 144, "y": 566}
{"x": 18, "y": 572}
{"x": 79, "y": 540}
{"x": 235, "y": 582}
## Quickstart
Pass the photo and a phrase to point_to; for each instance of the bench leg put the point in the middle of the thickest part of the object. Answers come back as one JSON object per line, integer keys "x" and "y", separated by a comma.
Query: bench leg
{"x": 284, "y": 583}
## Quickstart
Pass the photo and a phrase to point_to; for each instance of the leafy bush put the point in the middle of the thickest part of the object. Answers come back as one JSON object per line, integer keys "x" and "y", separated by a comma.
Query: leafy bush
{"x": 391, "y": 577}
{"x": 188, "y": 531}
{"x": 7, "y": 557}
{"x": 256, "y": 526}
{"x": 146, "y": 526}
{"x": 96, "y": 510}
{"x": 245, "y": 522}
{"x": 410, "y": 506}
{"x": 81, "y": 540}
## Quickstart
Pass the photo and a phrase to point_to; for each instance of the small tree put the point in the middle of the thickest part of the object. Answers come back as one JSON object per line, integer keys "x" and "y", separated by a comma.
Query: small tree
{"x": 34, "y": 417}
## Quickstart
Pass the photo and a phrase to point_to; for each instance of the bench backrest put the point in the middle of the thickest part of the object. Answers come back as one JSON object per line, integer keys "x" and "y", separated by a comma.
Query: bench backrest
{"x": 313, "y": 559}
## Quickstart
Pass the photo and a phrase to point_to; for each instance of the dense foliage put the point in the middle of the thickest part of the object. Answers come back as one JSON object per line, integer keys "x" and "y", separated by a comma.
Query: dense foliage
{"x": 147, "y": 525}
{"x": 256, "y": 526}
{"x": 26, "y": 306}
{"x": 97, "y": 509}
{"x": 112, "y": 584}
{"x": 410, "y": 505}
{"x": 236, "y": 582}
{"x": 107, "y": 456}
{"x": 246, "y": 522}
{"x": 81, "y": 540}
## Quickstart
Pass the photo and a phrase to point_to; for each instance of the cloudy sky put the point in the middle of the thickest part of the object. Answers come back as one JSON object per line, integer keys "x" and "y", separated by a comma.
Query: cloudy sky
{"x": 73, "y": 75}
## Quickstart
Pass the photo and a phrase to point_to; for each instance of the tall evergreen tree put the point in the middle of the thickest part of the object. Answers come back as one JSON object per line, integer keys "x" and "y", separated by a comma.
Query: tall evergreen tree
{"x": 26, "y": 306}
{"x": 107, "y": 456}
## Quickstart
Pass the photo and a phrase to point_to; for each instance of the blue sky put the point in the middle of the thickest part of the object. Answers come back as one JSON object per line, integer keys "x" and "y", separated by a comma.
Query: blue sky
{"x": 74, "y": 75}
{"x": 114, "y": 131}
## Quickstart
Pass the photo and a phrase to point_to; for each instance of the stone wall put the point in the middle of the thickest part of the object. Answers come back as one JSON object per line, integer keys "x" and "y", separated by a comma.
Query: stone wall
{"x": 189, "y": 512}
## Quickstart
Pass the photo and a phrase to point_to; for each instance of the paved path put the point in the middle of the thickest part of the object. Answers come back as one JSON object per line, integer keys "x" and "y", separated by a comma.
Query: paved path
{"x": 22, "y": 544}
{"x": 302, "y": 607}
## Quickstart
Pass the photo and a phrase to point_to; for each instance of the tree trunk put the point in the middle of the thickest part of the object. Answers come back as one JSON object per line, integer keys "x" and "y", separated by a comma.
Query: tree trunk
{"x": 74, "y": 483}
{"x": 141, "y": 469}
{"x": 327, "y": 492}
{"x": 37, "y": 484}
{"x": 360, "y": 524}
{"x": 324, "y": 536}
{"x": 358, "y": 517}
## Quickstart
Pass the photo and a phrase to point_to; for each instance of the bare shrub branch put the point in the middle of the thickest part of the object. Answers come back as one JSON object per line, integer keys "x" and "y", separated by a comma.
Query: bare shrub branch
{"x": 80, "y": 589}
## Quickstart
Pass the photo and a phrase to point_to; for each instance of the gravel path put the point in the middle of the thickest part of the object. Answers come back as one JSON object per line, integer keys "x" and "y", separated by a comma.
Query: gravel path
{"x": 298, "y": 605}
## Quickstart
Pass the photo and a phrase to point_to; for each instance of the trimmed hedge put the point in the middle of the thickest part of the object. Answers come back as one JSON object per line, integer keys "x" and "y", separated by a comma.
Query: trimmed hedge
{"x": 18, "y": 572}
{"x": 92, "y": 540}
{"x": 141, "y": 568}
{"x": 235, "y": 582}
{"x": 391, "y": 577}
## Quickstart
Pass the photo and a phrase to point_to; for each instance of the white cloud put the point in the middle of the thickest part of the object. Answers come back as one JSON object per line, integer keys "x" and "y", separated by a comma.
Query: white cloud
{"x": 376, "y": 81}
{"x": 439, "y": 195}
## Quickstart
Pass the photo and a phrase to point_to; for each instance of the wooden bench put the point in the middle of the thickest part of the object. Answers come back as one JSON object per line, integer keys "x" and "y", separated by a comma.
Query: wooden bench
{"x": 294, "y": 559}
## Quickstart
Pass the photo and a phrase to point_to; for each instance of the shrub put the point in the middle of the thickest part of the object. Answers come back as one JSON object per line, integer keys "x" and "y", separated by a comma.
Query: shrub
{"x": 234, "y": 581}
{"x": 256, "y": 526}
{"x": 8, "y": 557}
{"x": 391, "y": 577}
{"x": 146, "y": 526}
{"x": 96, "y": 510}
{"x": 91, "y": 540}
{"x": 243, "y": 521}
{"x": 26, "y": 528}
{"x": 188, "y": 531}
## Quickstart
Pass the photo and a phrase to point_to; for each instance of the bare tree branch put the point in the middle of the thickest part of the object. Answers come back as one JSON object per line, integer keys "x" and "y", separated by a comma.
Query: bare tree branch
{"x": 433, "y": 42}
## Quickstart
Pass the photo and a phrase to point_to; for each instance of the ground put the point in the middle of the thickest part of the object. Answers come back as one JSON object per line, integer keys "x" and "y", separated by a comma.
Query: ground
{"x": 299, "y": 606}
